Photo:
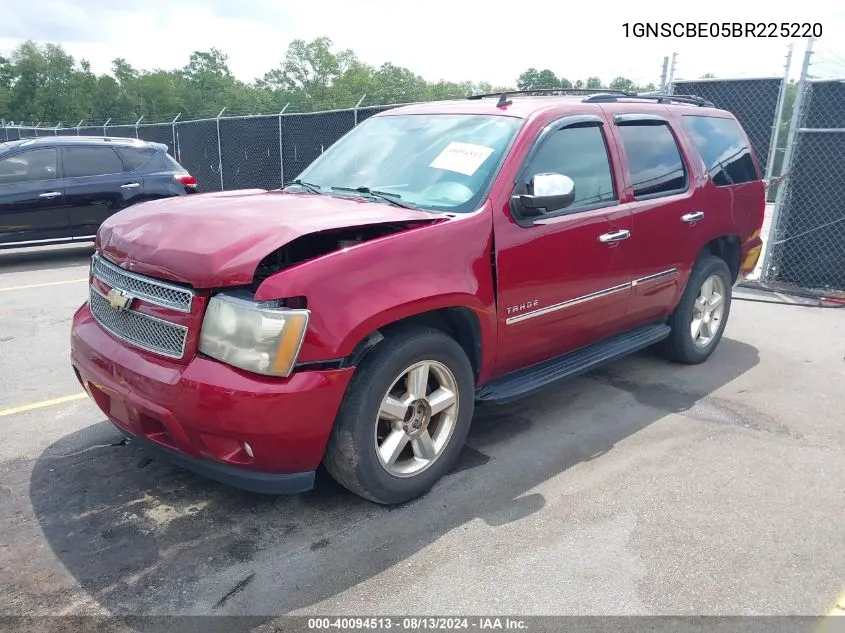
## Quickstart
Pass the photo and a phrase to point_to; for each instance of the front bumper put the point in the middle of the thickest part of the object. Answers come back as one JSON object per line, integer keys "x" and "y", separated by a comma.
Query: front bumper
{"x": 201, "y": 414}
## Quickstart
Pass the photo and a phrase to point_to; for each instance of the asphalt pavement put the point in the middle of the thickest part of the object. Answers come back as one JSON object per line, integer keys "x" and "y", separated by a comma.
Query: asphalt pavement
{"x": 642, "y": 488}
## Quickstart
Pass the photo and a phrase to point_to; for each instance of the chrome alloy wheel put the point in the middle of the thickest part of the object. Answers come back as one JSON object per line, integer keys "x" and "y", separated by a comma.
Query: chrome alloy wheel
{"x": 707, "y": 311}
{"x": 416, "y": 418}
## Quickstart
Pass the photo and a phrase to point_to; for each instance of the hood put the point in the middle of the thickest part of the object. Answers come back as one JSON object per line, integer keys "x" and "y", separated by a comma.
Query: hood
{"x": 218, "y": 239}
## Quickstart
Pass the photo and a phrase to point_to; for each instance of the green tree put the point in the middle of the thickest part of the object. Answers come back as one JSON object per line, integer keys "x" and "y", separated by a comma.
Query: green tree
{"x": 107, "y": 100}
{"x": 210, "y": 80}
{"x": 533, "y": 79}
{"x": 44, "y": 83}
{"x": 6, "y": 77}
{"x": 448, "y": 90}
{"x": 621, "y": 83}
{"x": 308, "y": 71}
{"x": 394, "y": 84}
{"x": 39, "y": 82}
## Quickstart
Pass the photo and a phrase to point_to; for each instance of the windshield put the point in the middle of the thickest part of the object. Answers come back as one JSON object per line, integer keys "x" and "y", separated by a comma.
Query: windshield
{"x": 442, "y": 162}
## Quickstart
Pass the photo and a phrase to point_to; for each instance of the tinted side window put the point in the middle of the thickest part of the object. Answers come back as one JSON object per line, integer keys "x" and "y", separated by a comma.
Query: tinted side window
{"x": 581, "y": 154}
{"x": 654, "y": 159}
{"x": 160, "y": 162}
{"x": 136, "y": 157}
{"x": 91, "y": 161}
{"x": 36, "y": 164}
{"x": 723, "y": 148}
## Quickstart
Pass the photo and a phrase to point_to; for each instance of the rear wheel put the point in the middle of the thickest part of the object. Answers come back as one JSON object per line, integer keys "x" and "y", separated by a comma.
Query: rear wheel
{"x": 702, "y": 313}
{"x": 405, "y": 417}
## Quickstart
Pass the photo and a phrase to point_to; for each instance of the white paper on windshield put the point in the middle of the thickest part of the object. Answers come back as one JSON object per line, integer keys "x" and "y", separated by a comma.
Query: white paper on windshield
{"x": 463, "y": 158}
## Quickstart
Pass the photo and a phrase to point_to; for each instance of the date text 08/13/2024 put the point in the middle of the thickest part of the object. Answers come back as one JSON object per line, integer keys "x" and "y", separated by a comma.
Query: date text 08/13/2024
{"x": 722, "y": 29}
{"x": 414, "y": 623}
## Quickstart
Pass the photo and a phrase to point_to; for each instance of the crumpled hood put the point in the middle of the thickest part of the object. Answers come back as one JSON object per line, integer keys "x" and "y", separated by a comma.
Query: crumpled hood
{"x": 218, "y": 239}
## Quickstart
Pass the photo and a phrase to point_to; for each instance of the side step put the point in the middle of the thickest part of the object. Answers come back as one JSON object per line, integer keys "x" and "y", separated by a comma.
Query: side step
{"x": 524, "y": 382}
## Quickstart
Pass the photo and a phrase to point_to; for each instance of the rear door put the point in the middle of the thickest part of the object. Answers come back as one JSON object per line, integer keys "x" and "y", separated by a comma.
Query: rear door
{"x": 97, "y": 185}
{"x": 157, "y": 169}
{"x": 666, "y": 208}
{"x": 734, "y": 190}
{"x": 32, "y": 201}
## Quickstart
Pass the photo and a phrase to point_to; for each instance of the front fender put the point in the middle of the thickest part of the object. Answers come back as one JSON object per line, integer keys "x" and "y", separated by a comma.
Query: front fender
{"x": 355, "y": 291}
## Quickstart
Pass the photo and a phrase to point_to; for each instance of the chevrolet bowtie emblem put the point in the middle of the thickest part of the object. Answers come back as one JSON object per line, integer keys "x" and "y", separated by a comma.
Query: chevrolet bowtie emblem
{"x": 119, "y": 300}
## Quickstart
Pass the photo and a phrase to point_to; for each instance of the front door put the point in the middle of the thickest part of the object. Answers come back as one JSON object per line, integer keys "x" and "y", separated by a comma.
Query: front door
{"x": 564, "y": 279}
{"x": 97, "y": 185}
{"x": 32, "y": 202}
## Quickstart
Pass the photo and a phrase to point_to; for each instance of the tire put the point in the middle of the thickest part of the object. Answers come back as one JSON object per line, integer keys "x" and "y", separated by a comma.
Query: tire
{"x": 681, "y": 346}
{"x": 363, "y": 424}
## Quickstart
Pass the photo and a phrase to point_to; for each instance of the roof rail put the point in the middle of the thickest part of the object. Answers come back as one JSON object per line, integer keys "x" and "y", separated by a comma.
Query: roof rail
{"x": 658, "y": 97}
{"x": 548, "y": 91}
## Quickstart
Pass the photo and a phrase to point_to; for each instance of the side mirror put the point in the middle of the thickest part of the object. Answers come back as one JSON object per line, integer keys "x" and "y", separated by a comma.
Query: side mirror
{"x": 547, "y": 193}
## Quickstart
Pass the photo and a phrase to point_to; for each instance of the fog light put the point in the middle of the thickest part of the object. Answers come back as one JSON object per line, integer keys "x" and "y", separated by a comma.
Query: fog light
{"x": 248, "y": 450}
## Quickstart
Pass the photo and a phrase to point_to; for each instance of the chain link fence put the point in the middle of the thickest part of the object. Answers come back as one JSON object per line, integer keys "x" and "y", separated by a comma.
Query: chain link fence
{"x": 807, "y": 234}
{"x": 237, "y": 152}
{"x": 807, "y": 239}
{"x": 264, "y": 151}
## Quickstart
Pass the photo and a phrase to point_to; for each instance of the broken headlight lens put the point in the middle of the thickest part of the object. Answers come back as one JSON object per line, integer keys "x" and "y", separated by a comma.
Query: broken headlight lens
{"x": 257, "y": 337}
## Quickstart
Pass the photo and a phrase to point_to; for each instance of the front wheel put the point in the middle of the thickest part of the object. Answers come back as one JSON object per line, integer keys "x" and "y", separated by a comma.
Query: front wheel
{"x": 405, "y": 417}
{"x": 702, "y": 313}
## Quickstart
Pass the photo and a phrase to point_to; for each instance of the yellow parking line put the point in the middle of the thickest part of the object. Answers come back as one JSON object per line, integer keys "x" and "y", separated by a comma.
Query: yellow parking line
{"x": 827, "y": 624}
{"x": 42, "y": 404}
{"x": 839, "y": 607}
{"x": 49, "y": 283}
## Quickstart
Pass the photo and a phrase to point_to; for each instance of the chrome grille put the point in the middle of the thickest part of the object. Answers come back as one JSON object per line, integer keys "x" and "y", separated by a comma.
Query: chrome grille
{"x": 141, "y": 330}
{"x": 150, "y": 290}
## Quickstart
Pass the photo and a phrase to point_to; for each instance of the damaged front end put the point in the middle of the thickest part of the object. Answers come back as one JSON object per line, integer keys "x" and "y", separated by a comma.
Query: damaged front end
{"x": 314, "y": 245}
{"x": 265, "y": 336}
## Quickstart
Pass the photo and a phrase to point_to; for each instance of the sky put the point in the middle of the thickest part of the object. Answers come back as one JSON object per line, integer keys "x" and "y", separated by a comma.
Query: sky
{"x": 439, "y": 39}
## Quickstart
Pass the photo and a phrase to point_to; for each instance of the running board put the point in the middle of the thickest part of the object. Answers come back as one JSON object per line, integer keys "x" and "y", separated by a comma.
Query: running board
{"x": 524, "y": 382}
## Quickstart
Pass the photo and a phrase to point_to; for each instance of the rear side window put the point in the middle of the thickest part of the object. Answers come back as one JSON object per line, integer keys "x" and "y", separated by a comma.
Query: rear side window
{"x": 654, "y": 159}
{"x": 162, "y": 162}
{"x": 31, "y": 166}
{"x": 148, "y": 160}
{"x": 91, "y": 161}
{"x": 136, "y": 157}
{"x": 581, "y": 154}
{"x": 723, "y": 149}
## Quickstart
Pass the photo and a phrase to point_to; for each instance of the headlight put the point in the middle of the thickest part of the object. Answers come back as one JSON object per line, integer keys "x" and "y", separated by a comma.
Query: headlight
{"x": 255, "y": 337}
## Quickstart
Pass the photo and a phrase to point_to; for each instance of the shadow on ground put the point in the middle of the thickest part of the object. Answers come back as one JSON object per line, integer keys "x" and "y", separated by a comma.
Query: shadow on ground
{"x": 142, "y": 537}
{"x": 29, "y": 259}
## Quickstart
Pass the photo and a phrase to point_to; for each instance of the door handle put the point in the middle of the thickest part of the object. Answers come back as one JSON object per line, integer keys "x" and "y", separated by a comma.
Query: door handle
{"x": 616, "y": 236}
{"x": 130, "y": 185}
{"x": 694, "y": 216}
{"x": 50, "y": 194}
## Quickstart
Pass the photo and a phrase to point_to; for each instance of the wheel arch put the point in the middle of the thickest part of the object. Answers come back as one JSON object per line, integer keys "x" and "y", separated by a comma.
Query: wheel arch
{"x": 727, "y": 248}
{"x": 458, "y": 322}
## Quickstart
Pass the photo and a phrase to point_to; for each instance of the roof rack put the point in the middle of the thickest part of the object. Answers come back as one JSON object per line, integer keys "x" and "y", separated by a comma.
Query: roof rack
{"x": 596, "y": 95}
{"x": 607, "y": 97}
{"x": 503, "y": 96}
{"x": 549, "y": 91}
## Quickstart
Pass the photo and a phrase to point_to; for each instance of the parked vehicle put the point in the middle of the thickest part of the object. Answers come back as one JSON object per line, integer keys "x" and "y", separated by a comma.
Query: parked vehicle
{"x": 59, "y": 189}
{"x": 437, "y": 256}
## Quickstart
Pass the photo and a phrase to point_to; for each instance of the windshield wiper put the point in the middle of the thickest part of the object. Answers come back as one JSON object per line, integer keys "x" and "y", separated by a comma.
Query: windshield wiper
{"x": 393, "y": 198}
{"x": 307, "y": 185}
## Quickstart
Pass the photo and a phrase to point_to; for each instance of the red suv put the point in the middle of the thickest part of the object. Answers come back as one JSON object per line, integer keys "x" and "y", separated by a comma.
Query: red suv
{"x": 437, "y": 256}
